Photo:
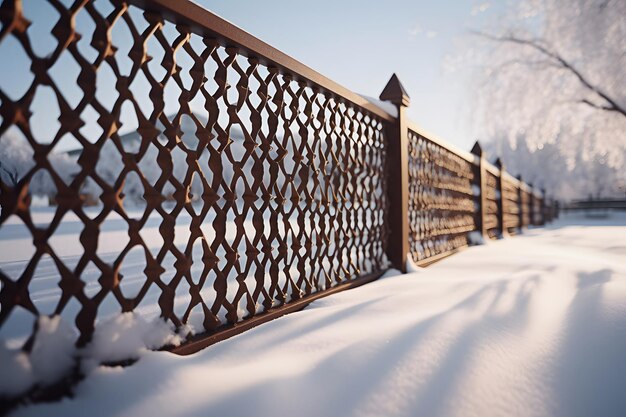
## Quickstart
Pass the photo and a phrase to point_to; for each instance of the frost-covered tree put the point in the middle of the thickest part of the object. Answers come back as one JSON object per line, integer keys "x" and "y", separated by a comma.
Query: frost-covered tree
{"x": 232, "y": 168}
{"x": 16, "y": 161}
{"x": 553, "y": 81}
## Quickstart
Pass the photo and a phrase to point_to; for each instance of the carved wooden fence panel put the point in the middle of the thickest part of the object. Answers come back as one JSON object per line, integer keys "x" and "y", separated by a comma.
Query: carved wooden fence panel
{"x": 289, "y": 196}
{"x": 442, "y": 202}
{"x": 511, "y": 206}
{"x": 538, "y": 211}
{"x": 526, "y": 209}
{"x": 492, "y": 209}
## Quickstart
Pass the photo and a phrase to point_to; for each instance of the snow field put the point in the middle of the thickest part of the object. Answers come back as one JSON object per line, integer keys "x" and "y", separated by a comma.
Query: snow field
{"x": 527, "y": 326}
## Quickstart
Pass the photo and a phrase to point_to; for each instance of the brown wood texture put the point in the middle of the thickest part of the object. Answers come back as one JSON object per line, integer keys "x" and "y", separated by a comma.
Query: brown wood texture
{"x": 290, "y": 168}
{"x": 398, "y": 175}
{"x": 442, "y": 204}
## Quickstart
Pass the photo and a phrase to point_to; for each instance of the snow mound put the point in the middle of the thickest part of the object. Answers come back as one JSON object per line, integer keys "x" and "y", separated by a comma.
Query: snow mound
{"x": 475, "y": 238}
{"x": 125, "y": 337}
{"x": 51, "y": 358}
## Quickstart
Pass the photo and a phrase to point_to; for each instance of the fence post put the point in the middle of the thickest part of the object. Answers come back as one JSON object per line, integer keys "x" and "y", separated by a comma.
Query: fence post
{"x": 543, "y": 207}
{"x": 398, "y": 175}
{"x": 501, "y": 201}
{"x": 556, "y": 207}
{"x": 531, "y": 205}
{"x": 520, "y": 202}
{"x": 482, "y": 177}
{"x": 549, "y": 203}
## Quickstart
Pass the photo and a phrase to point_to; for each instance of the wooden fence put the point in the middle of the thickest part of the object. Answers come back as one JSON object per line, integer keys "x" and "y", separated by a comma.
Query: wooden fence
{"x": 293, "y": 186}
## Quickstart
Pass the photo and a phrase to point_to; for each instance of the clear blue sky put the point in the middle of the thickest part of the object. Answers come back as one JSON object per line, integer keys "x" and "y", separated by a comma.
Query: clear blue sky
{"x": 360, "y": 44}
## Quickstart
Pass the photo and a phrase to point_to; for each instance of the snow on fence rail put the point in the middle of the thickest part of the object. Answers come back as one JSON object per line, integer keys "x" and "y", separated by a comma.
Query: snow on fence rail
{"x": 246, "y": 184}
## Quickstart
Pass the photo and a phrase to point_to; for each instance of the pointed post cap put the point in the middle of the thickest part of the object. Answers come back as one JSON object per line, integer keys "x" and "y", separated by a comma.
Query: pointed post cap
{"x": 499, "y": 163}
{"x": 395, "y": 92}
{"x": 519, "y": 177}
{"x": 477, "y": 150}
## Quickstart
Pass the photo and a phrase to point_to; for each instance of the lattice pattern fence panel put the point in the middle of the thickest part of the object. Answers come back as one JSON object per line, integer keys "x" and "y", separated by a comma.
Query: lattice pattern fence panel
{"x": 492, "y": 196}
{"x": 231, "y": 187}
{"x": 526, "y": 208}
{"x": 511, "y": 206}
{"x": 537, "y": 211}
{"x": 442, "y": 204}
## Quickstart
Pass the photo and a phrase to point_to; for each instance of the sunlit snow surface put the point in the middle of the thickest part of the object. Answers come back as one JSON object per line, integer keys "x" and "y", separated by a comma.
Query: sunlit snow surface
{"x": 528, "y": 326}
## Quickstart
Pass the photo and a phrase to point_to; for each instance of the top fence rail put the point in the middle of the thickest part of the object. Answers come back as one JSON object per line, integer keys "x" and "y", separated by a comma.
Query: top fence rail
{"x": 205, "y": 23}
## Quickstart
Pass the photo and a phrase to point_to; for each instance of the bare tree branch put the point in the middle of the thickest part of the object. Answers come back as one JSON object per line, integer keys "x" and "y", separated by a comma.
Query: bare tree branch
{"x": 13, "y": 175}
{"x": 562, "y": 63}
{"x": 598, "y": 106}
{"x": 539, "y": 64}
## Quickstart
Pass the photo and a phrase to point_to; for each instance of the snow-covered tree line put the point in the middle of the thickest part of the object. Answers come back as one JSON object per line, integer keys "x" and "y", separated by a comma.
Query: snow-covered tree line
{"x": 551, "y": 94}
{"x": 16, "y": 161}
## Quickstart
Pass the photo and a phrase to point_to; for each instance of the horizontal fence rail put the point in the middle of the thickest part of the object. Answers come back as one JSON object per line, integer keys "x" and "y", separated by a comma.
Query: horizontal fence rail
{"x": 196, "y": 173}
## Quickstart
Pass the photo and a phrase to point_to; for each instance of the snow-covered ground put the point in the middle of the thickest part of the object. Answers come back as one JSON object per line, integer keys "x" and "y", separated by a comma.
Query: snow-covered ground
{"x": 528, "y": 326}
